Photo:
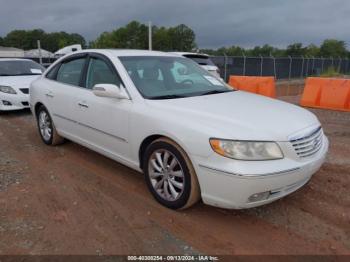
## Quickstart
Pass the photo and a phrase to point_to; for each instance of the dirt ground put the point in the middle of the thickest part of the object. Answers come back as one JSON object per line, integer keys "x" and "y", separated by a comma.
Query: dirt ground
{"x": 70, "y": 200}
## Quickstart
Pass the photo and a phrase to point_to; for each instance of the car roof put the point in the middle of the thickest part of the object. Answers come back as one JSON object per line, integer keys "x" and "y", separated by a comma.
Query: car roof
{"x": 189, "y": 53}
{"x": 126, "y": 52}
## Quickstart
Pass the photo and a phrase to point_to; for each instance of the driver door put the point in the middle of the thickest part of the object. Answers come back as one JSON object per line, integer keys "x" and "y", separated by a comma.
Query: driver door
{"x": 104, "y": 122}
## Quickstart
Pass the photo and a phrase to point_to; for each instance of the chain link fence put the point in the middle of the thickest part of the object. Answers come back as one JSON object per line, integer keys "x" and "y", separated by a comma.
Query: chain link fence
{"x": 280, "y": 68}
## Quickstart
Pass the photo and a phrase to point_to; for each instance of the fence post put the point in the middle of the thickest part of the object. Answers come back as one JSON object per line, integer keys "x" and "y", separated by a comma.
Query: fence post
{"x": 346, "y": 65}
{"x": 225, "y": 67}
{"x": 261, "y": 65}
{"x": 332, "y": 61}
{"x": 322, "y": 65}
{"x": 274, "y": 66}
{"x": 289, "y": 74}
{"x": 290, "y": 68}
{"x": 339, "y": 66}
{"x": 244, "y": 61}
{"x": 313, "y": 65}
{"x": 307, "y": 67}
{"x": 302, "y": 67}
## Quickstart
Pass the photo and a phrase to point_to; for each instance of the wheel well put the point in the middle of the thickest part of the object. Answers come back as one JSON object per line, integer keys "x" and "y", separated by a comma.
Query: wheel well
{"x": 36, "y": 108}
{"x": 145, "y": 143}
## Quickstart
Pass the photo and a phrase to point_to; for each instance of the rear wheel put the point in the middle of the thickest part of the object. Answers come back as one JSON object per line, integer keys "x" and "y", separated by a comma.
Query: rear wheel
{"x": 47, "y": 128}
{"x": 170, "y": 175}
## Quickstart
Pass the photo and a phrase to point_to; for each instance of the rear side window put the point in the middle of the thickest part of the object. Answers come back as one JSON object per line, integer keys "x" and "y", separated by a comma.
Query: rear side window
{"x": 100, "y": 73}
{"x": 70, "y": 72}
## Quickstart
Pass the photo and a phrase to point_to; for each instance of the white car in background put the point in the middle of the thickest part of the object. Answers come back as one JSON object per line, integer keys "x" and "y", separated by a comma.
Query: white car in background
{"x": 203, "y": 60}
{"x": 67, "y": 50}
{"x": 16, "y": 76}
{"x": 189, "y": 133}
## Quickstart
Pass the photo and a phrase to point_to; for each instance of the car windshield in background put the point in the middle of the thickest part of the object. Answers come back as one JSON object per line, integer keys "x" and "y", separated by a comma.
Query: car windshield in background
{"x": 19, "y": 68}
{"x": 162, "y": 77}
{"x": 200, "y": 59}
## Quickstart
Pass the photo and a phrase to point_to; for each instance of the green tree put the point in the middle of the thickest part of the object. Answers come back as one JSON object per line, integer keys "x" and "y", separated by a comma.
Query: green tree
{"x": 16, "y": 38}
{"x": 51, "y": 41}
{"x": 296, "y": 50}
{"x": 230, "y": 51}
{"x": 312, "y": 51}
{"x": 161, "y": 39}
{"x": 1, "y": 41}
{"x": 265, "y": 50}
{"x": 134, "y": 35}
{"x": 182, "y": 38}
{"x": 334, "y": 48}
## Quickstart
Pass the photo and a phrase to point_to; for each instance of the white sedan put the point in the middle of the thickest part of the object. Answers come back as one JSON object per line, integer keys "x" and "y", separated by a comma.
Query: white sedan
{"x": 15, "y": 78}
{"x": 189, "y": 133}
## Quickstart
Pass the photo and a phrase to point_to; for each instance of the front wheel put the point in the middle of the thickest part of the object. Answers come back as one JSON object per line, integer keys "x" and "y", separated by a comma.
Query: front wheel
{"x": 47, "y": 128}
{"x": 170, "y": 175}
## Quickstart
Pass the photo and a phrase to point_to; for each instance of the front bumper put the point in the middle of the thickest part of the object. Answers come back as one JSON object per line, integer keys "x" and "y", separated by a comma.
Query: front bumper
{"x": 9, "y": 102}
{"x": 229, "y": 183}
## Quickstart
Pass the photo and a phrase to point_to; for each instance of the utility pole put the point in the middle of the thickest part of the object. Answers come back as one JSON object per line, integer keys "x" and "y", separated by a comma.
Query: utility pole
{"x": 40, "y": 55}
{"x": 150, "y": 35}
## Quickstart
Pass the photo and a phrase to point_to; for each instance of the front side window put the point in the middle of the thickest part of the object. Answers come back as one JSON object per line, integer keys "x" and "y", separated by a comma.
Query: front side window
{"x": 70, "y": 72}
{"x": 162, "y": 77}
{"x": 53, "y": 72}
{"x": 100, "y": 73}
{"x": 20, "y": 68}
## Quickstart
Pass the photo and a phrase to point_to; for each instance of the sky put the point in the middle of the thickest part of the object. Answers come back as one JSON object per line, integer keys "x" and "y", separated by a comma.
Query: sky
{"x": 216, "y": 23}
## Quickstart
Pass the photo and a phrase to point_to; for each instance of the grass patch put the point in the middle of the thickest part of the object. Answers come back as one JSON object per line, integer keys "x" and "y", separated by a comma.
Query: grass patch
{"x": 331, "y": 72}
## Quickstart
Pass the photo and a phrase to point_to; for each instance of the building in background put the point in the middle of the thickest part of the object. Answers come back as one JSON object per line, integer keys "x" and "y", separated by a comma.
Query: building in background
{"x": 11, "y": 52}
{"x": 35, "y": 53}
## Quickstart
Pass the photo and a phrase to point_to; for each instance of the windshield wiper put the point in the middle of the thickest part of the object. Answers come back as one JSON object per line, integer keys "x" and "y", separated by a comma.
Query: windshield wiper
{"x": 215, "y": 92}
{"x": 166, "y": 97}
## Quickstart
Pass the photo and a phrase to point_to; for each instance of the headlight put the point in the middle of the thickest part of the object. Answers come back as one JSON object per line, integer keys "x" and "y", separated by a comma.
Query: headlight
{"x": 7, "y": 89}
{"x": 247, "y": 150}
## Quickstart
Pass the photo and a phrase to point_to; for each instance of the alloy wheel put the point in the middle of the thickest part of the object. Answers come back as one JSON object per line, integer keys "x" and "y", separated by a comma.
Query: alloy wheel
{"x": 45, "y": 125}
{"x": 166, "y": 175}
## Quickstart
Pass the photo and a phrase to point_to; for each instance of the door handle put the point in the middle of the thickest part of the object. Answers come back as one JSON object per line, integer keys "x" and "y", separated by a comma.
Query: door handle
{"x": 49, "y": 94}
{"x": 83, "y": 104}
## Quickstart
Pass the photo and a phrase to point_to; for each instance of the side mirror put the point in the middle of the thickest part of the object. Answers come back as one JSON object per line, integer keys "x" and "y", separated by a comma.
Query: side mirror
{"x": 109, "y": 90}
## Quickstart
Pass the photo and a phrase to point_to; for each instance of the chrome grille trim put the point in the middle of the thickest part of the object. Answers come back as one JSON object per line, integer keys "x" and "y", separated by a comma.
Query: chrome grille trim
{"x": 309, "y": 144}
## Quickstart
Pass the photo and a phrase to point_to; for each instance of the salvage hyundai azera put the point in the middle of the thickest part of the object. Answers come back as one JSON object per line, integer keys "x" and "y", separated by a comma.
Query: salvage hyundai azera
{"x": 191, "y": 135}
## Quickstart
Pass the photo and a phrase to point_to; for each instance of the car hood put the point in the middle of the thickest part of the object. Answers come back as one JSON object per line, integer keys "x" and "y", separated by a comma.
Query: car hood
{"x": 238, "y": 115}
{"x": 17, "y": 82}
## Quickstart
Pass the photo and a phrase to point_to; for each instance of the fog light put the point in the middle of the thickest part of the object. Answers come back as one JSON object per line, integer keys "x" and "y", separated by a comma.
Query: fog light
{"x": 6, "y": 103}
{"x": 259, "y": 197}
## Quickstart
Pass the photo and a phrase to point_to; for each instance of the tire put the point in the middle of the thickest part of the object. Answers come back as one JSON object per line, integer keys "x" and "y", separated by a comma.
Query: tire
{"x": 161, "y": 173}
{"x": 47, "y": 130}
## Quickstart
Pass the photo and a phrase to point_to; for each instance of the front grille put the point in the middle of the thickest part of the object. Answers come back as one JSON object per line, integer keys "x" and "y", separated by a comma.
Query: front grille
{"x": 24, "y": 90}
{"x": 308, "y": 145}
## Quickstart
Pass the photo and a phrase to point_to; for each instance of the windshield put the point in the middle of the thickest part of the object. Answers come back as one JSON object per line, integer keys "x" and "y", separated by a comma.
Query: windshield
{"x": 161, "y": 77}
{"x": 20, "y": 67}
{"x": 200, "y": 59}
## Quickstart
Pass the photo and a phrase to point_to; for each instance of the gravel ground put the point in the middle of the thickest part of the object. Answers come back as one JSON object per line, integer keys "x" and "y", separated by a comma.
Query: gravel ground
{"x": 70, "y": 200}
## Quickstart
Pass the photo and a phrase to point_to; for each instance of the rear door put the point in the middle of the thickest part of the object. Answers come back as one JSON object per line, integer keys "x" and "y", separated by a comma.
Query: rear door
{"x": 66, "y": 79}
